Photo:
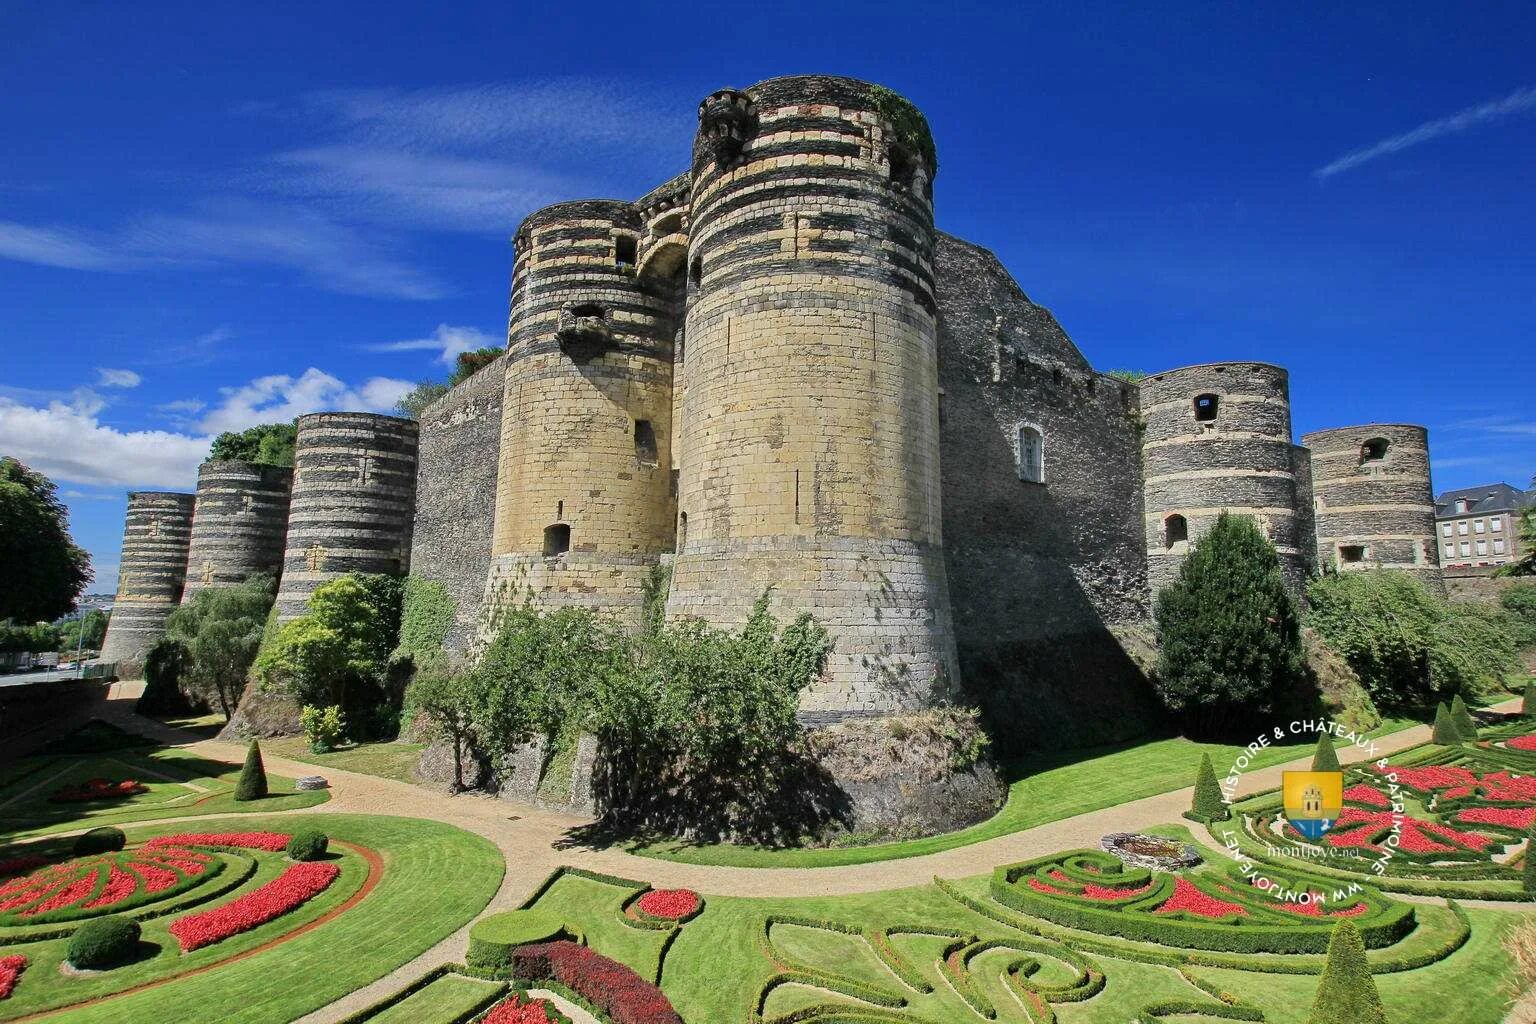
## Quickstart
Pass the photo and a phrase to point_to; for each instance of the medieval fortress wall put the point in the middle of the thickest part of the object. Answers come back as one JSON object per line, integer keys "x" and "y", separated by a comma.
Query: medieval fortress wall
{"x": 238, "y": 525}
{"x": 771, "y": 373}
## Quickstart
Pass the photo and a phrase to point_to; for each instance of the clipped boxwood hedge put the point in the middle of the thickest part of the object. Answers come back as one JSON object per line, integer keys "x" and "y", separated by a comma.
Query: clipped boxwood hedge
{"x": 492, "y": 939}
{"x": 307, "y": 844}
{"x": 103, "y": 839}
{"x": 103, "y": 942}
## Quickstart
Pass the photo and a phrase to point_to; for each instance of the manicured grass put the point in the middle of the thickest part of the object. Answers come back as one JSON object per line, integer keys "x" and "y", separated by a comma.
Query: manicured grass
{"x": 595, "y": 908}
{"x": 391, "y": 760}
{"x": 445, "y": 1000}
{"x": 1043, "y": 790}
{"x": 413, "y": 907}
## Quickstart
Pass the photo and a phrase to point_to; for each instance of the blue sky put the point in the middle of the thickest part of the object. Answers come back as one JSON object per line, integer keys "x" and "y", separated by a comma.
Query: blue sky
{"x": 212, "y": 217}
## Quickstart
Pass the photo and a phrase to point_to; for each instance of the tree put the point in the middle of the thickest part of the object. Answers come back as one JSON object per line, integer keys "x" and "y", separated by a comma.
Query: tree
{"x": 472, "y": 362}
{"x": 447, "y": 699}
{"x": 252, "y": 784}
{"x": 270, "y": 443}
{"x": 1229, "y": 631}
{"x": 1528, "y": 702}
{"x": 1445, "y": 731}
{"x": 164, "y": 666}
{"x": 35, "y": 639}
{"x": 221, "y": 629}
{"x": 415, "y": 401}
{"x": 1525, "y": 565}
{"x": 43, "y": 570}
{"x": 1466, "y": 725}
{"x": 1325, "y": 758}
{"x": 337, "y": 653}
{"x": 1208, "y": 805}
{"x": 1347, "y": 992}
{"x": 93, "y": 624}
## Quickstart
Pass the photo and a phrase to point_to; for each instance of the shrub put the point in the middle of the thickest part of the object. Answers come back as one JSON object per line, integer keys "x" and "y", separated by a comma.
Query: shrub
{"x": 619, "y": 994}
{"x": 1528, "y": 865}
{"x": 1325, "y": 758}
{"x": 1445, "y": 730}
{"x": 1466, "y": 725}
{"x": 164, "y": 666}
{"x": 493, "y": 939}
{"x": 103, "y": 942}
{"x": 1229, "y": 631}
{"x": 307, "y": 844}
{"x": 338, "y": 652}
{"x": 1347, "y": 993}
{"x": 253, "y": 775}
{"x": 324, "y": 727}
{"x": 104, "y": 839}
{"x": 220, "y": 629}
{"x": 1208, "y": 805}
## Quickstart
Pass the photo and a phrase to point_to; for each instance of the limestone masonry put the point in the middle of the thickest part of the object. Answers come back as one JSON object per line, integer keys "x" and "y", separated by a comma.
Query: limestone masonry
{"x": 772, "y": 374}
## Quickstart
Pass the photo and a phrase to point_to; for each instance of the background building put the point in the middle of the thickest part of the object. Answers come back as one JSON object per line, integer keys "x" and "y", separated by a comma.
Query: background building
{"x": 1479, "y": 527}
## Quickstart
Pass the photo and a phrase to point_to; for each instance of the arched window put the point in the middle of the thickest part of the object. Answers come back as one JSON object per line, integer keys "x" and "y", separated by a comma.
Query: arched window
{"x": 1373, "y": 450}
{"x": 557, "y": 539}
{"x": 696, "y": 270}
{"x": 1175, "y": 531}
{"x": 645, "y": 443}
{"x": 1031, "y": 454}
{"x": 1206, "y": 407}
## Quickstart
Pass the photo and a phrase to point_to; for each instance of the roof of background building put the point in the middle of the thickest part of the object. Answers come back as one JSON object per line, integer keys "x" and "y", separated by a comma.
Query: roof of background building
{"x": 1484, "y": 498}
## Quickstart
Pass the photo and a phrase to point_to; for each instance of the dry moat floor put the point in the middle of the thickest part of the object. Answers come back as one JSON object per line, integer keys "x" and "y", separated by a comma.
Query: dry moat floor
{"x": 1021, "y": 919}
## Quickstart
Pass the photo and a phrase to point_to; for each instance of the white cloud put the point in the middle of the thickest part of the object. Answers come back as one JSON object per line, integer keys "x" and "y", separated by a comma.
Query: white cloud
{"x": 57, "y": 247}
{"x": 66, "y": 441}
{"x": 1484, "y": 113}
{"x": 183, "y": 405}
{"x": 280, "y": 397}
{"x": 110, "y": 378}
{"x": 447, "y": 341}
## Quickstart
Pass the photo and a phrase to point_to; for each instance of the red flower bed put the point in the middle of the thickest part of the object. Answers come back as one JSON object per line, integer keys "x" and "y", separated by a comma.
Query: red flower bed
{"x": 517, "y": 1010}
{"x": 1522, "y": 742}
{"x": 120, "y": 885}
{"x": 1520, "y": 818}
{"x": 1187, "y": 899}
{"x": 1433, "y": 778}
{"x": 66, "y": 896}
{"x": 1361, "y": 793}
{"x": 669, "y": 904}
{"x": 10, "y": 972}
{"x": 291, "y": 889}
{"x": 105, "y": 881}
{"x": 155, "y": 877}
{"x": 1090, "y": 890}
{"x": 98, "y": 789}
{"x": 272, "y": 842}
{"x": 618, "y": 992}
{"x": 20, "y": 865}
{"x": 1508, "y": 788}
{"x": 1365, "y": 830}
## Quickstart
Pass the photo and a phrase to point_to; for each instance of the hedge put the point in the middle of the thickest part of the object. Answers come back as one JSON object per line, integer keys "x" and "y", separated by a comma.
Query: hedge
{"x": 493, "y": 940}
{"x": 102, "y": 839}
{"x": 103, "y": 942}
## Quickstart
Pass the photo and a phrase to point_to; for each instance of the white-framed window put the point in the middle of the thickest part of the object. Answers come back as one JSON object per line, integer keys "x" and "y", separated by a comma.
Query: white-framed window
{"x": 1450, "y": 551}
{"x": 1498, "y": 545}
{"x": 1031, "y": 454}
{"x": 1482, "y": 547}
{"x": 1479, "y": 526}
{"x": 1466, "y": 549}
{"x": 1461, "y": 527}
{"x": 1445, "y": 530}
{"x": 1497, "y": 524}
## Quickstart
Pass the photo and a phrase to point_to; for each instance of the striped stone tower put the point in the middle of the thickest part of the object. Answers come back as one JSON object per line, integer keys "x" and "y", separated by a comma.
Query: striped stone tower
{"x": 354, "y": 487}
{"x": 239, "y": 525}
{"x": 1375, "y": 505}
{"x": 583, "y": 497}
{"x": 151, "y": 572}
{"x": 1218, "y": 438}
{"x": 808, "y": 428}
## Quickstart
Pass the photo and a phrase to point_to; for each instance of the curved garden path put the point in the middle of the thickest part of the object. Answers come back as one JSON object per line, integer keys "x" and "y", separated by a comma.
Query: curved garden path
{"x": 535, "y": 841}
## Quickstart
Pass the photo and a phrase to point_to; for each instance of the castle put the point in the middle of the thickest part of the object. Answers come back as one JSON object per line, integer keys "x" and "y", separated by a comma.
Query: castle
{"x": 772, "y": 371}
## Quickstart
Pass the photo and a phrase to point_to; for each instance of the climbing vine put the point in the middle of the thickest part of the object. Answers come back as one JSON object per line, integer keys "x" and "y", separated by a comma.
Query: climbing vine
{"x": 908, "y": 124}
{"x": 425, "y": 618}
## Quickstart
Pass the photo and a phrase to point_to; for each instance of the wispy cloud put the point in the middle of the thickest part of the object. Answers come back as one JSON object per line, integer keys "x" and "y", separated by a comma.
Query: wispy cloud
{"x": 447, "y": 341}
{"x": 109, "y": 378}
{"x": 1516, "y": 102}
{"x": 58, "y": 247}
{"x": 68, "y": 441}
{"x": 280, "y": 397}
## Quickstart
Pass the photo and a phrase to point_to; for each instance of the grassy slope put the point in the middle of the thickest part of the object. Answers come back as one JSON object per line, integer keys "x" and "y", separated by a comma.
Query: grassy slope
{"x": 411, "y": 909}
{"x": 386, "y": 760}
{"x": 1043, "y": 790}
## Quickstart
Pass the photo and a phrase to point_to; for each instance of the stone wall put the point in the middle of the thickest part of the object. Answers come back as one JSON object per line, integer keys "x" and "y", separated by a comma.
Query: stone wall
{"x": 460, "y": 436}
{"x": 239, "y": 524}
{"x": 1470, "y": 584}
{"x": 1039, "y": 572}
{"x": 152, "y": 571}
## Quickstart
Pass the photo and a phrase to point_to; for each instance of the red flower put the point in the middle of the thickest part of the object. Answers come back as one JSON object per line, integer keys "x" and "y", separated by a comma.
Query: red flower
{"x": 98, "y": 789}
{"x": 1523, "y": 742}
{"x": 1506, "y": 787}
{"x": 1361, "y": 793}
{"x": 618, "y": 992}
{"x": 1432, "y": 778}
{"x": 669, "y": 904}
{"x": 1520, "y": 818}
{"x": 293, "y": 888}
{"x": 120, "y": 885}
{"x": 514, "y": 1010}
{"x": 18, "y": 865}
{"x": 10, "y": 972}
{"x": 272, "y": 842}
{"x": 1190, "y": 900}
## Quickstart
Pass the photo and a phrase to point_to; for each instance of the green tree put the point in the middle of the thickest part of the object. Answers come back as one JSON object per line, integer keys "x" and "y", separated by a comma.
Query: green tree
{"x": 1208, "y": 805}
{"x": 1325, "y": 758}
{"x": 220, "y": 630}
{"x": 337, "y": 653}
{"x": 447, "y": 699}
{"x": 1466, "y": 725}
{"x": 164, "y": 666}
{"x": 325, "y": 727}
{"x": 472, "y": 362}
{"x": 415, "y": 401}
{"x": 252, "y": 784}
{"x": 93, "y": 624}
{"x": 1528, "y": 702}
{"x": 1445, "y": 731}
{"x": 43, "y": 569}
{"x": 270, "y": 443}
{"x": 1347, "y": 992}
{"x": 35, "y": 639}
{"x": 1228, "y": 629}
{"x": 1525, "y": 565}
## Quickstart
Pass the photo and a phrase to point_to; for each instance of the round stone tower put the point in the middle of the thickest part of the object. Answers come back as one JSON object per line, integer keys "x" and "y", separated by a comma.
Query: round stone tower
{"x": 583, "y": 495}
{"x": 151, "y": 572}
{"x": 808, "y": 429}
{"x": 1375, "y": 506}
{"x": 354, "y": 490}
{"x": 1218, "y": 438}
{"x": 239, "y": 525}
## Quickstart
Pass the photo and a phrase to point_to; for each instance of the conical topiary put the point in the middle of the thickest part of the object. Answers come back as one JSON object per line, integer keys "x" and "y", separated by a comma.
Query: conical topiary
{"x": 1528, "y": 704}
{"x": 1347, "y": 993}
{"x": 1208, "y": 804}
{"x": 1465, "y": 723}
{"x": 1528, "y": 866}
{"x": 253, "y": 776}
{"x": 1325, "y": 758}
{"x": 1445, "y": 731}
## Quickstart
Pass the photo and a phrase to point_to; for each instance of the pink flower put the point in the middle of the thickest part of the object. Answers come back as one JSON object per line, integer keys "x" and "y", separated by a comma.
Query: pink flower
{"x": 293, "y": 888}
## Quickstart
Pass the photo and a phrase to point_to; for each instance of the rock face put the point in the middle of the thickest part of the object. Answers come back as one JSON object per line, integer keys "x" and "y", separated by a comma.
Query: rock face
{"x": 261, "y": 713}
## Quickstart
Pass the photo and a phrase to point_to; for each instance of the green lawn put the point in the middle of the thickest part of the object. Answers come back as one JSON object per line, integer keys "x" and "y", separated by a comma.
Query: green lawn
{"x": 410, "y": 910}
{"x": 392, "y": 760}
{"x": 447, "y": 999}
{"x": 1043, "y": 789}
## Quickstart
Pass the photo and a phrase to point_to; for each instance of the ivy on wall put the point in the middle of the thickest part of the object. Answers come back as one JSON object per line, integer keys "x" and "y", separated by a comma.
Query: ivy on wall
{"x": 425, "y": 619}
